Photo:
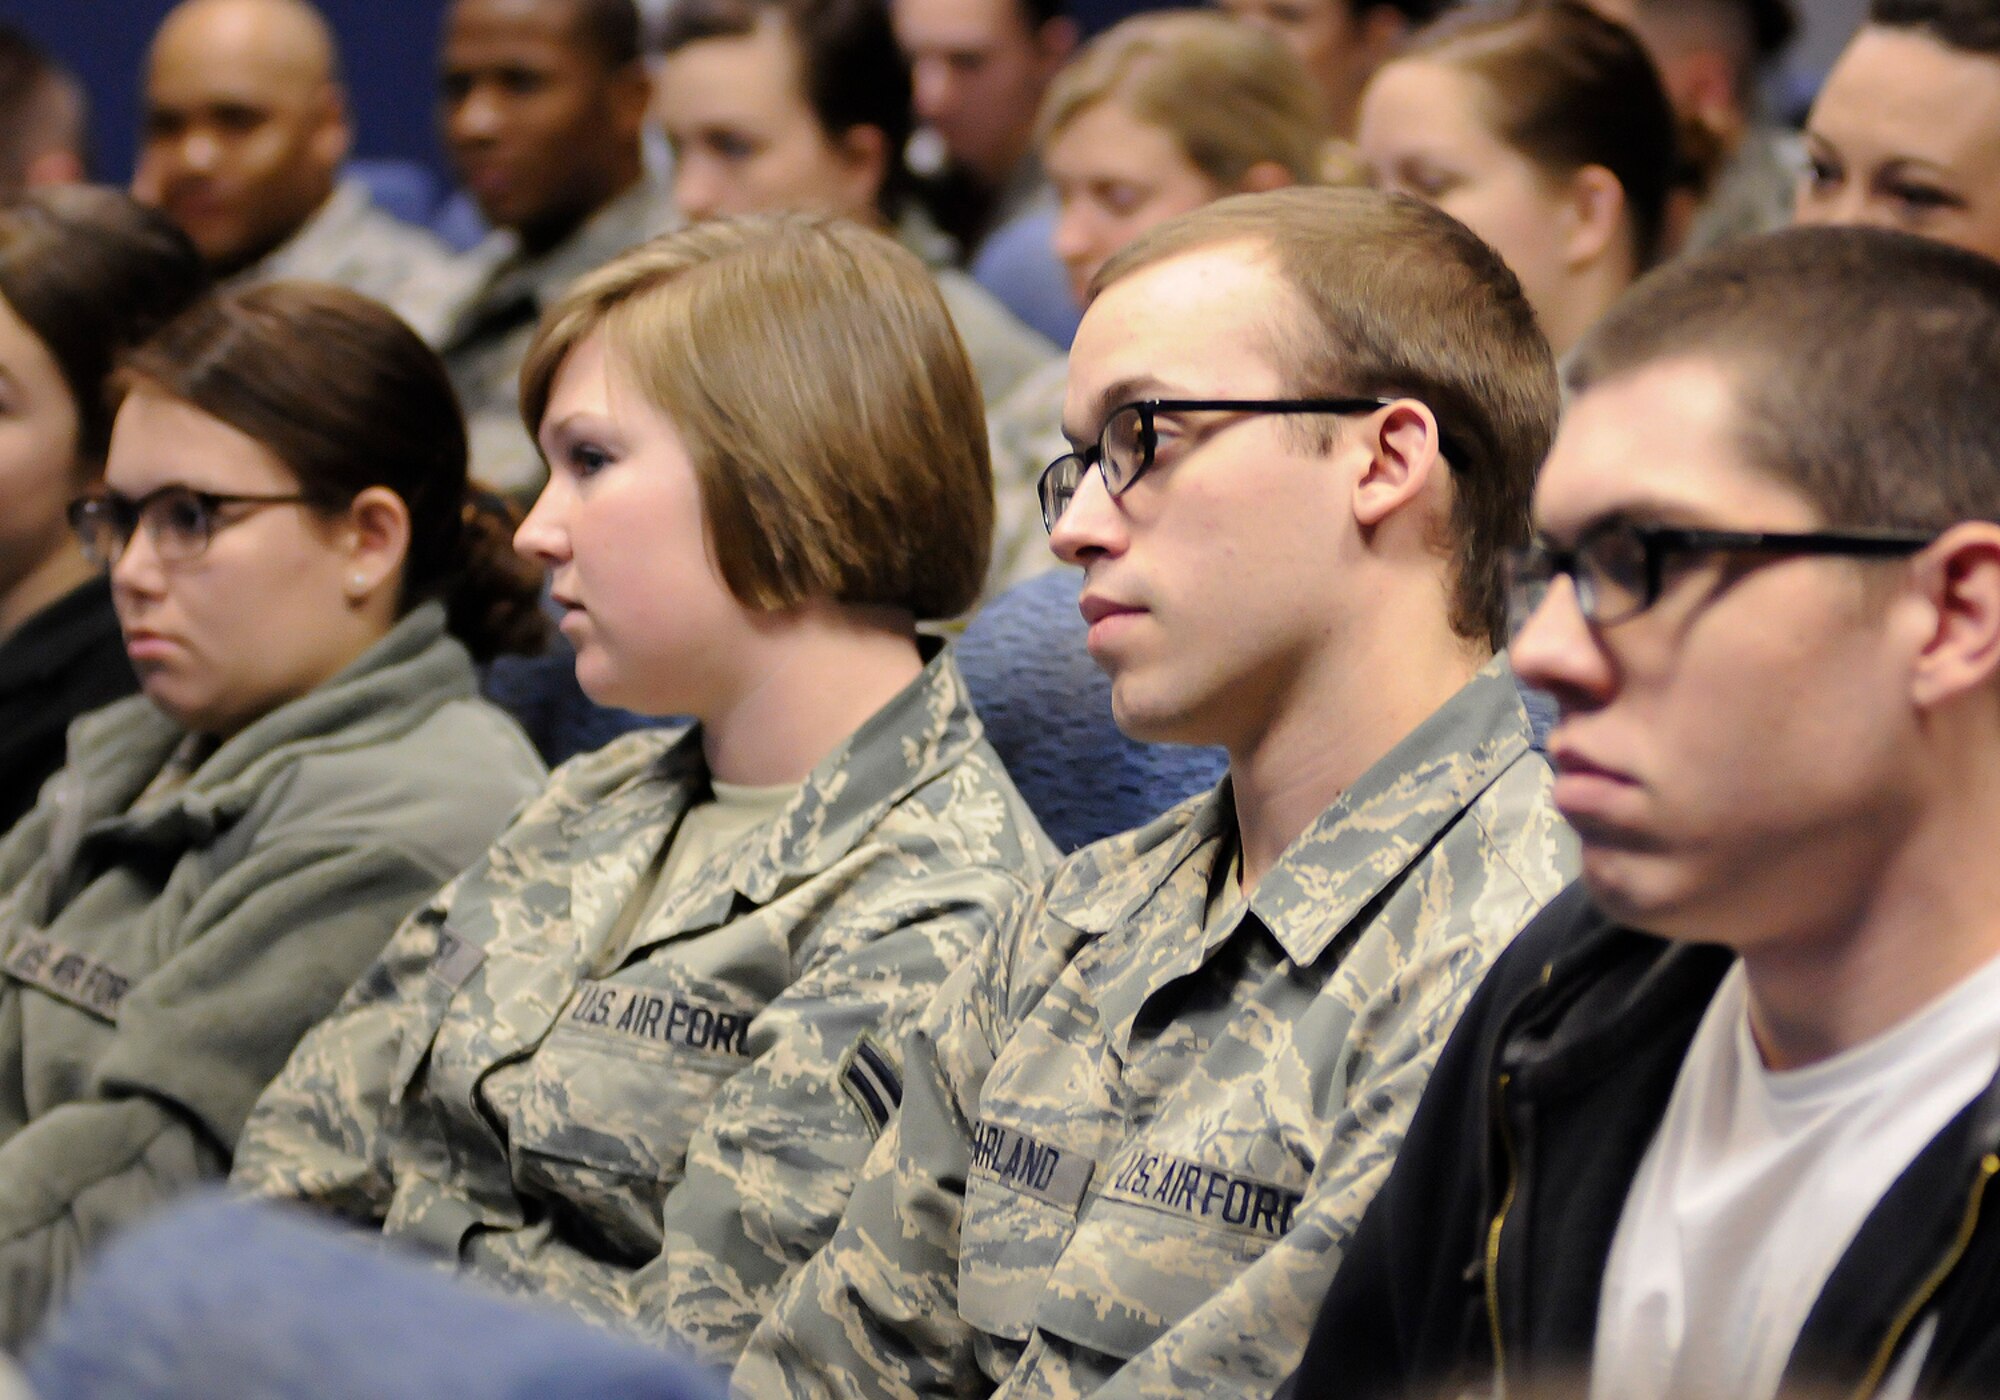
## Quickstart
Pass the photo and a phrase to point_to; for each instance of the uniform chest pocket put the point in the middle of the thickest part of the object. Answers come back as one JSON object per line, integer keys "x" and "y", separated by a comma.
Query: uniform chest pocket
{"x": 1164, "y": 1235}
{"x": 625, "y": 1077}
{"x": 1021, "y": 1200}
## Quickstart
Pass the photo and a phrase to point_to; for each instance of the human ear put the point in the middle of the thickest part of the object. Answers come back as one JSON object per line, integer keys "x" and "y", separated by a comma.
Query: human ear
{"x": 1595, "y": 204}
{"x": 375, "y": 539}
{"x": 630, "y": 95}
{"x": 1383, "y": 29}
{"x": 1264, "y": 176}
{"x": 1959, "y": 575}
{"x": 332, "y": 135}
{"x": 1404, "y": 450}
{"x": 1056, "y": 39}
{"x": 863, "y": 152}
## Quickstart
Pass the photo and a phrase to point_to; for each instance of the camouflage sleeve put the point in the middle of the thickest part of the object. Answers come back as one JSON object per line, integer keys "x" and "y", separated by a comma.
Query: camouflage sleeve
{"x": 769, "y": 1170}
{"x": 876, "y": 1312}
{"x": 318, "y": 1133}
{"x": 262, "y": 954}
{"x": 1246, "y": 1338}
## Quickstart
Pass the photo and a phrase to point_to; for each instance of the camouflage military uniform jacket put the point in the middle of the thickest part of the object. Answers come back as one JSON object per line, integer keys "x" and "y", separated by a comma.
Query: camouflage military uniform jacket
{"x": 352, "y": 243}
{"x": 1132, "y": 1147}
{"x": 498, "y": 302}
{"x": 160, "y": 955}
{"x": 655, "y": 1129}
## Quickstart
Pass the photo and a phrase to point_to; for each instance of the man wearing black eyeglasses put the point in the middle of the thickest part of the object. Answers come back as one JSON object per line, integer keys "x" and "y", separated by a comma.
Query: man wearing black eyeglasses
{"x": 1137, "y": 1130}
{"x": 1725, "y": 1120}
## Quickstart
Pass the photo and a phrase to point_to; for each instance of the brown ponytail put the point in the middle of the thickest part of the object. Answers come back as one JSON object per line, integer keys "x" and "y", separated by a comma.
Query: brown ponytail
{"x": 493, "y": 602}
{"x": 348, "y": 397}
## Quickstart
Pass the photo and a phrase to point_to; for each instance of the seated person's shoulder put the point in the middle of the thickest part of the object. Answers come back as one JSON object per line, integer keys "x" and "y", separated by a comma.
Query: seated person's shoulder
{"x": 439, "y": 791}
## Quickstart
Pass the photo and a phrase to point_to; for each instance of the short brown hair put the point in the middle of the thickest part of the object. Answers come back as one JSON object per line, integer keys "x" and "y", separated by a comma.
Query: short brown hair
{"x": 1887, "y": 419}
{"x": 342, "y": 392}
{"x": 92, "y": 274}
{"x": 1229, "y": 94}
{"x": 1401, "y": 299}
{"x": 824, "y": 397}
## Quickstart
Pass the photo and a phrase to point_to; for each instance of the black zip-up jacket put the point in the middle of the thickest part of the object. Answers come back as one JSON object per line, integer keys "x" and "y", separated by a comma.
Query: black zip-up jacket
{"x": 1490, "y": 1238}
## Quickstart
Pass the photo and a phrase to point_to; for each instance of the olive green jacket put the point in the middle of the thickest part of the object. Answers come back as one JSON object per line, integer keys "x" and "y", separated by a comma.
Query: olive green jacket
{"x": 654, "y": 1123}
{"x": 160, "y": 958}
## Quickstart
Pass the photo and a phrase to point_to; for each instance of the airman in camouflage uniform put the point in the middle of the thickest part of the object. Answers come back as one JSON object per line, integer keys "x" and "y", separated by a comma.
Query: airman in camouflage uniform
{"x": 502, "y": 294}
{"x": 245, "y": 132}
{"x": 1136, "y": 1136}
{"x": 655, "y": 1127}
{"x": 353, "y": 243}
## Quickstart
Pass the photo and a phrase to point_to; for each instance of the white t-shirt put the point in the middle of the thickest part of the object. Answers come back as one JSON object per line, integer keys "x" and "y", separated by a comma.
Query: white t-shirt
{"x": 1756, "y": 1182}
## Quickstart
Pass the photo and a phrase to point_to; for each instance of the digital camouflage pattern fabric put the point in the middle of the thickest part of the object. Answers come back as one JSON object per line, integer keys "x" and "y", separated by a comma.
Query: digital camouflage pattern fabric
{"x": 161, "y": 952}
{"x": 496, "y": 304}
{"x": 656, "y": 1128}
{"x": 1133, "y": 1143}
{"x": 353, "y": 243}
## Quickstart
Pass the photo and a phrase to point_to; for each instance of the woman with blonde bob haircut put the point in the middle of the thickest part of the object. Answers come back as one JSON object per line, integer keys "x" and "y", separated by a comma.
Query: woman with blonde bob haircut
{"x": 632, "y": 1060}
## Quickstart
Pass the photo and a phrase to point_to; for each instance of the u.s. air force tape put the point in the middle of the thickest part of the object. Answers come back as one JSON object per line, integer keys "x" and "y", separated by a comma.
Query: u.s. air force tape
{"x": 1052, "y": 1175}
{"x": 656, "y": 1017}
{"x": 869, "y": 1076}
{"x": 1208, "y": 1194}
{"x": 67, "y": 975}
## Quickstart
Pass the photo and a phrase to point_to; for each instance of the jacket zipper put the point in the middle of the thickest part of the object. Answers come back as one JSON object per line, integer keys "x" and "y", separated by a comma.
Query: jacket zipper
{"x": 1493, "y": 1236}
{"x": 1871, "y": 1380}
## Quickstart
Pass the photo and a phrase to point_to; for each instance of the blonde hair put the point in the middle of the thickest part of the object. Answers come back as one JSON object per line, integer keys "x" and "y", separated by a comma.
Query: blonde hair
{"x": 822, "y": 394}
{"x": 1230, "y": 95}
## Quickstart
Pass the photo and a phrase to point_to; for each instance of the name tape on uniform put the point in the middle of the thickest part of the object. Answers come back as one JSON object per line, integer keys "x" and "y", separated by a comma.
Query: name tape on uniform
{"x": 1049, "y": 1174}
{"x": 659, "y": 1018}
{"x": 68, "y": 975}
{"x": 1209, "y": 1194}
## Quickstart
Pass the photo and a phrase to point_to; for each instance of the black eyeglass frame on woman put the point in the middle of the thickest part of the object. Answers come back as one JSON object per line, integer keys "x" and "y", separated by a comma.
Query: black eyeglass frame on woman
{"x": 1617, "y": 568}
{"x": 180, "y": 520}
{"x": 1059, "y": 481}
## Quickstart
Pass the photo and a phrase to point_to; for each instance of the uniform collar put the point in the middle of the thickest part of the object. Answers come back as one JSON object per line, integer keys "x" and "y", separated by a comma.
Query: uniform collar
{"x": 1333, "y": 872}
{"x": 921, "y": 733}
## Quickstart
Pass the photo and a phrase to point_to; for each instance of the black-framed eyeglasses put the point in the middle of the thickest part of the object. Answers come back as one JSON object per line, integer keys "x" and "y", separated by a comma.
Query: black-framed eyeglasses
{"x": 1124, "y": 451}
{"x": 1618, "y": 568}
{"x": 179, "y": 520}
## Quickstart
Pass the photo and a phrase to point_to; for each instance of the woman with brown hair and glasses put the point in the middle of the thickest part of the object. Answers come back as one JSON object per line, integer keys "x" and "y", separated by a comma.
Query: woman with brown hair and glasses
{"x": 85, "y": 274}
{"x": 302, "y": 578}
{"x": 632, "y": 1060}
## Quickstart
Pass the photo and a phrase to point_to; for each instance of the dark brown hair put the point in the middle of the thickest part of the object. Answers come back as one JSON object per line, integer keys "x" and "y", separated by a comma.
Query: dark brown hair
{"x": 1865, "y": 365}
{"x": 1568, "y": 88}
{"x": 347, "y": 397}
{"x": 1971, "y": 25}
{"x": 851, "y": 68}
{"x": 823, "y": 396}
{"x": 1400, "y": 299}
{"x": 92, "y": 274}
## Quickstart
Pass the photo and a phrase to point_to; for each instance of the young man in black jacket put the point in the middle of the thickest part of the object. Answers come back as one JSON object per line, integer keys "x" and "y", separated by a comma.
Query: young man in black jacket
{"x": 1723, "y": 1122}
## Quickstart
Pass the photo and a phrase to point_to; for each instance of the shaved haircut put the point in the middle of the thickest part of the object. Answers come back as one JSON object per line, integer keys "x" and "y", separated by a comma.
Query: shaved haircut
{"x": 317, "y": 46}
{"x": 610, "y": 28}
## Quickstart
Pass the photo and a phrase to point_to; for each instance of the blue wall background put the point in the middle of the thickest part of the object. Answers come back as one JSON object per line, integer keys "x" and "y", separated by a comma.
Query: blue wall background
{"x": 389, "y": 48}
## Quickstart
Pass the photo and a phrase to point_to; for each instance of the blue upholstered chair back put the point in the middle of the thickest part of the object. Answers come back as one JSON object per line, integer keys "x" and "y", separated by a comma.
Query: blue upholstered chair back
{"x": 1047, "y": 710}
